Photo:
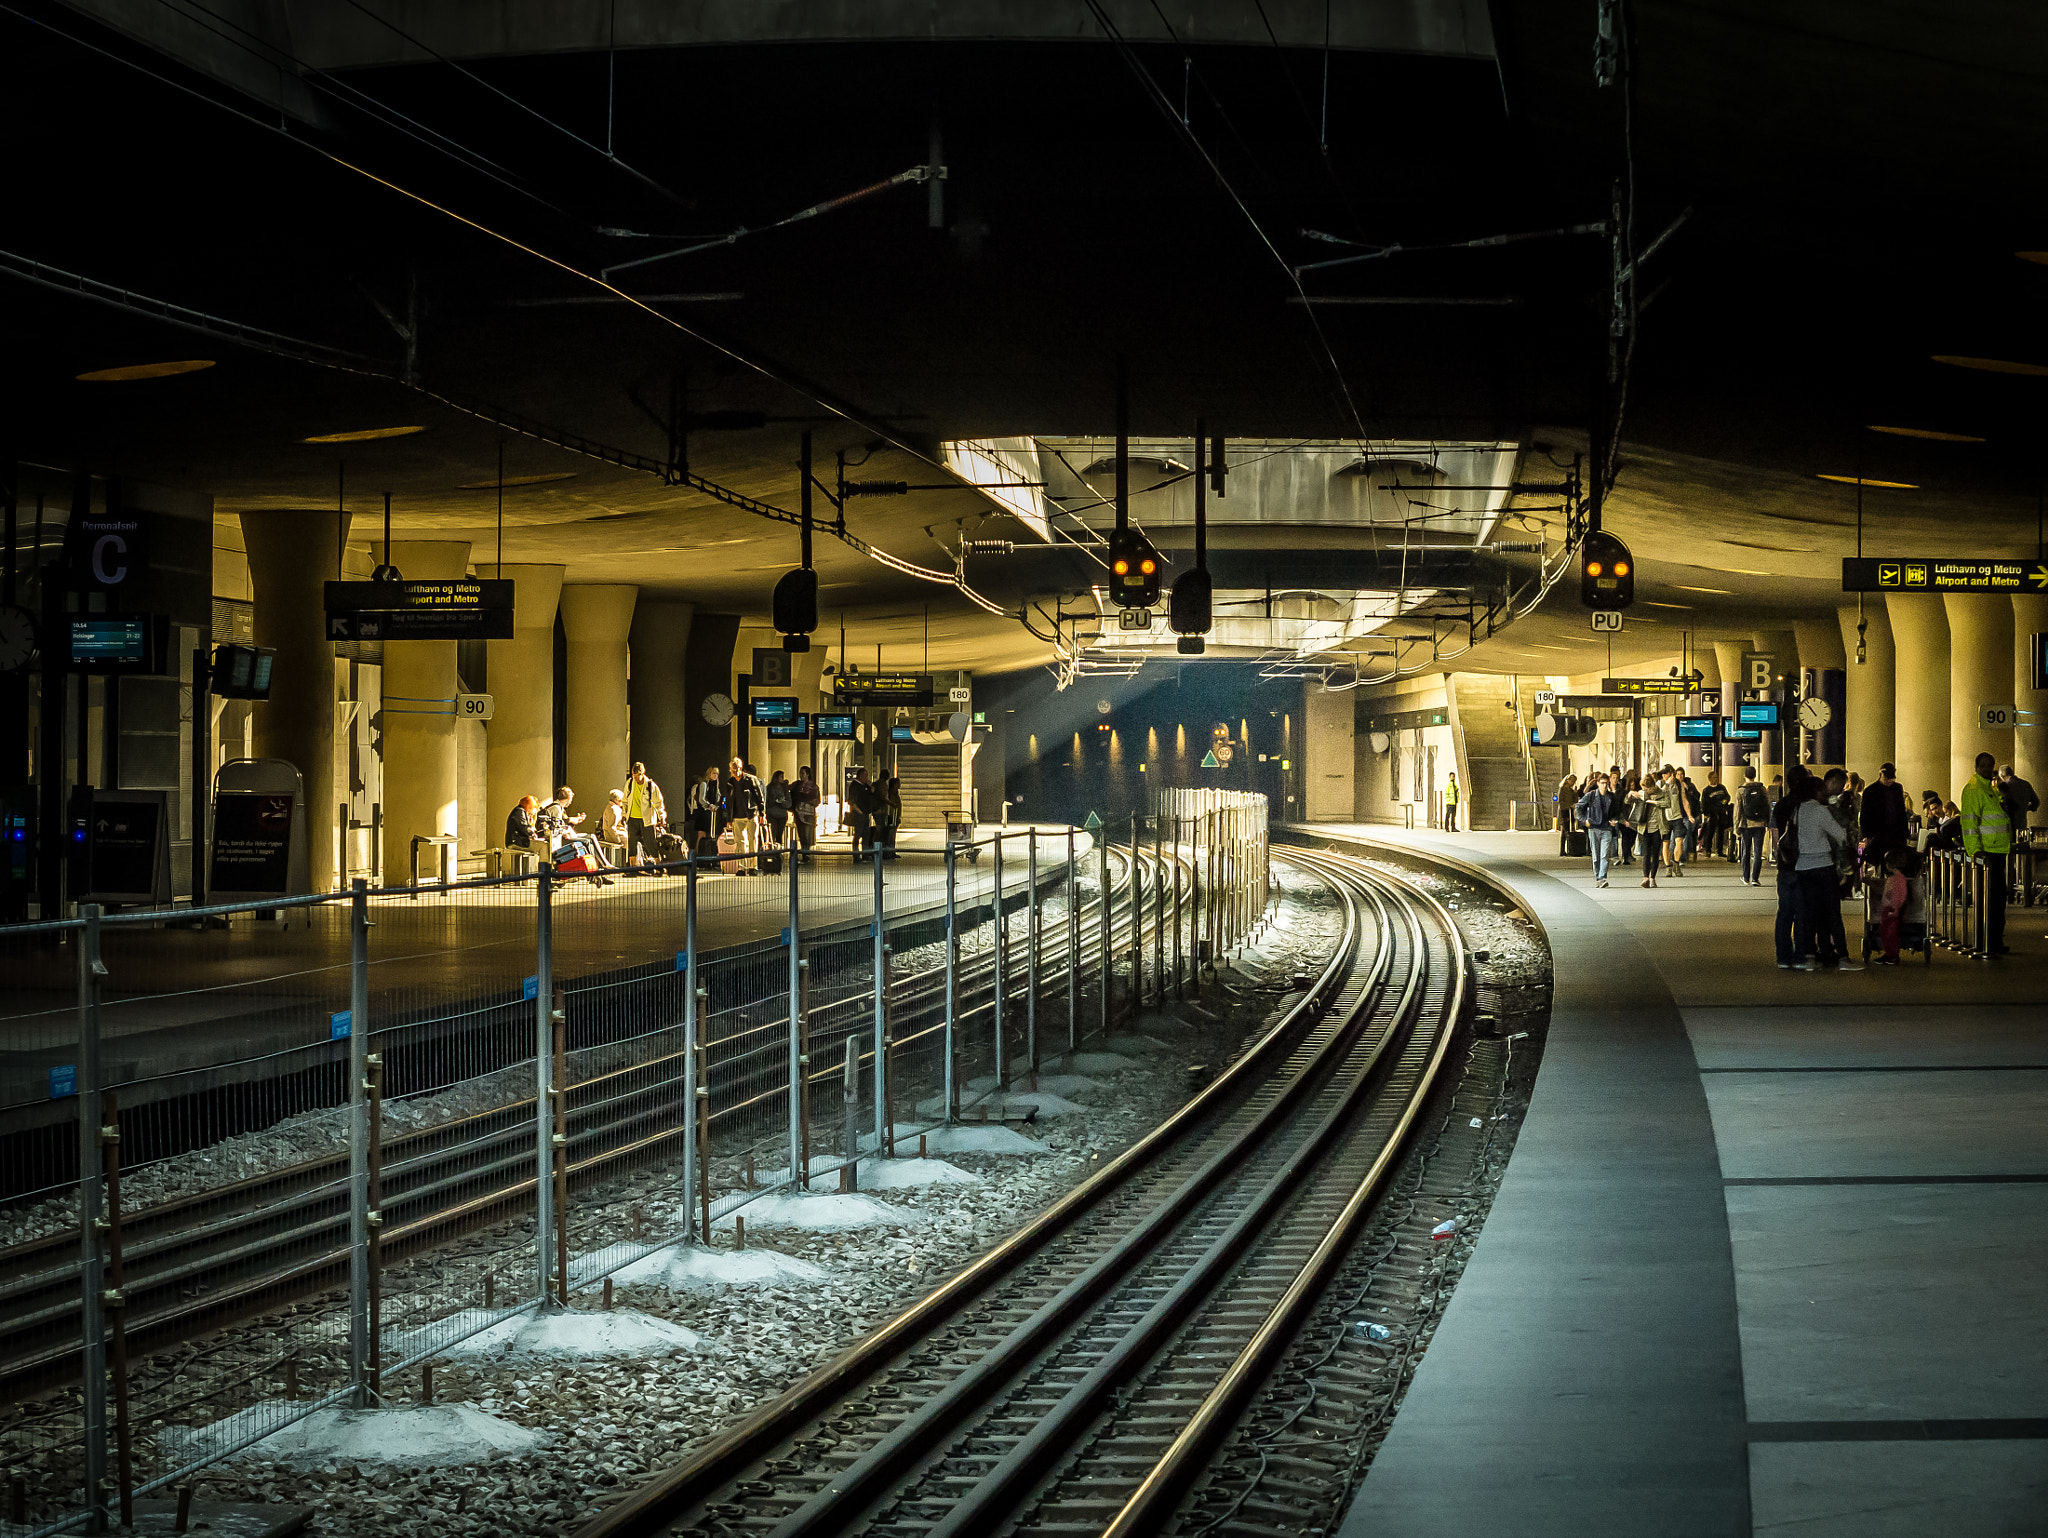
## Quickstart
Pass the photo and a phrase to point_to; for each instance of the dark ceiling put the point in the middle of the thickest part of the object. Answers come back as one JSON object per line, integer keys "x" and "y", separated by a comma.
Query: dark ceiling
{"x": 1858, "y": 178}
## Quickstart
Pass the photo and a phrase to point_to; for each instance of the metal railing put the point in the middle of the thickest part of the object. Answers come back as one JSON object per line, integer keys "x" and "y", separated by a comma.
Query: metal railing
{"x": 208, "y": 1124}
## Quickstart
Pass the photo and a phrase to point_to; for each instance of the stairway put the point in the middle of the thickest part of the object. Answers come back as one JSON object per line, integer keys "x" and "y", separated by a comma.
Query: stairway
{"x": 1493, "y": 750}
{"x": 930, "y": 784}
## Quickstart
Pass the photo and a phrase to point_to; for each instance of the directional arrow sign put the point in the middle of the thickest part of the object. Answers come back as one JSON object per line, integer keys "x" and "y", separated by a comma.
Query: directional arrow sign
{"x": 1942, "y": 574}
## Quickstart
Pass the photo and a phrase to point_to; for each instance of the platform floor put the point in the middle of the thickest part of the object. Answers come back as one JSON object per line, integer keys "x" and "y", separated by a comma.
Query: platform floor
{"x": 1769, "y": 1257}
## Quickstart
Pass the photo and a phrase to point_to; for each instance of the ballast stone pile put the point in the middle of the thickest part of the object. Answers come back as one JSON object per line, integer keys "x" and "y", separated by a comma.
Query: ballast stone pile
{"x": 580, "y": 1334}
{"x": 764, "y": 1317}
{"x": 424, "y": 1436}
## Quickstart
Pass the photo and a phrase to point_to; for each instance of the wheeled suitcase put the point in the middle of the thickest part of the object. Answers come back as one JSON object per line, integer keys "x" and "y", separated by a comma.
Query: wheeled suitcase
{"x": 1575, "y": 841}
{"x": 578, "y": 855}
{"x": 771, "y": 859}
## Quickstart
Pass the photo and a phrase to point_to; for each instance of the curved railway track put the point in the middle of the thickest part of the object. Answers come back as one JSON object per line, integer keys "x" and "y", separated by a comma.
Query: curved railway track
{"x": 199, "y": 1262}
{"x": 1078, "y": 1378}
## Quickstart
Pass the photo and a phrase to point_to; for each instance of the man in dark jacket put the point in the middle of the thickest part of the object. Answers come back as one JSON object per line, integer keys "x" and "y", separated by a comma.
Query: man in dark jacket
{"x": 2018, "y": 796}
{"x": 1881, "y": 818}
{"x": 860, "y": 810}
{"x": 1596, "y": 811}
{"x": 1719, "y": 809}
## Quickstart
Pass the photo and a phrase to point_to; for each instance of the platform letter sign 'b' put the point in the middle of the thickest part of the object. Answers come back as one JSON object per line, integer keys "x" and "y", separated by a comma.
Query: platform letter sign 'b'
{"x": 1759, "y": 671}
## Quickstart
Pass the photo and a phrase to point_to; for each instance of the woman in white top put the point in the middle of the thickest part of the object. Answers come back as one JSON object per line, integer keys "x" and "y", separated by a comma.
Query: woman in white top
{"x": 1820, "y": 836}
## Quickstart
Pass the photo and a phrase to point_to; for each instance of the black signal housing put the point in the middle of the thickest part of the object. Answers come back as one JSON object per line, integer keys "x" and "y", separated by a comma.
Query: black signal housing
{"x": 1607, "y": 572}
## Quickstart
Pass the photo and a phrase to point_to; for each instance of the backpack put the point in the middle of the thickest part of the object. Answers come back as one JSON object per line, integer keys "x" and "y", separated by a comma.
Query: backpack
{"x": 1787, "y": 846}
{"x": 1756, "y": 806}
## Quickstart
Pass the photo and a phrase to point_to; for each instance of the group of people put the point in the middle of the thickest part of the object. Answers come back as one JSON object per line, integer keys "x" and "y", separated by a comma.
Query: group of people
{"x": 1827, "y": 835}
{"x": 636, "y": 836}
{"x": 874, "y": 811}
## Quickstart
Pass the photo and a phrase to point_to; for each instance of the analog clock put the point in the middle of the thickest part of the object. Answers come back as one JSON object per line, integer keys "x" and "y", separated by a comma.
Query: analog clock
{"x": 17, "y": 638}
{"x": 1815, "y": 713}
{"x": 717, "y": 709}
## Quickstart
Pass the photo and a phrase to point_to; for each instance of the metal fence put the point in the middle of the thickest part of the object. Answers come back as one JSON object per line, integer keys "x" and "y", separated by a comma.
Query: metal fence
{"x": 264, "y": 1161}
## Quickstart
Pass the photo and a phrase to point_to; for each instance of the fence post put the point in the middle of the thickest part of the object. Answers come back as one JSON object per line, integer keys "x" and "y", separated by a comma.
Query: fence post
{"x": 1073, "y": 949}
{"x": 881, "y": 1007}
{"x": 124, "y": 1434}
{"x": 373, "y": 1222}
{"x": 1137, "y": 917}
{"x": 690, "y": 1029}
{"x": 803, "y": 1062}
{"x": 559, "y": 1142}
{"x": 92, "y": 1320}
{"x": 1002, "y": 958}
{"x": 1102, "y": 934}
{"x": 1179, "y": 954}
{"x": 1031, "y": 953}
{"x": 1160, "y": 876}
{"x": 360, "y": 1344}
{"x": 952, "y": 1086}
{"x": 543, "y": 1077}
{"x": 849, "y": 1097}
{"x": 799, "y": 1057}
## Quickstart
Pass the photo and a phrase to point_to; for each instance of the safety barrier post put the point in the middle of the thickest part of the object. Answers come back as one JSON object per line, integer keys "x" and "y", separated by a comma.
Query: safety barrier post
{"x": 849, "y": 1096}
{"x": 1178, "y": 954}
{"x": 952, "y": 1089}
{"x": 1137, "y": 918}
{"x": 803, "y": 1063}
{"x": 799, "y": 1048}
{"x": 92, "y": 1320}
{"x": 543, "y": 1075}
{"x": 558, "y": 1142}
{"x": 1102, "y": 929}
{"x": 881, "y": 978}
{"x": 690, "y": 1029}
{"x": 373, "y": 1220}
{"x": 1159, "y": 884}
{"x": 1031, "y": 952}
{"x": 360, "y": 1343}
{"x": 116, "y": 1298}
{"x": 1980, "y": 925}
{"x": 1002, "y": 960}
{"x": 1073, "y": 950}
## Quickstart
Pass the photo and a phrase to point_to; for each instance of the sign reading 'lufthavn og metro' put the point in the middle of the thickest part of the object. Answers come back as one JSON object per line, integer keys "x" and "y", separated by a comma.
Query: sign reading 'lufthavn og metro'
{"x": 1921, "y": 574}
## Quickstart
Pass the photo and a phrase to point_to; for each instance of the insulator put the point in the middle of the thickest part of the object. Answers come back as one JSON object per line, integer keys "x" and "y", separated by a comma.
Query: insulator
{"x": 991, "y": 547}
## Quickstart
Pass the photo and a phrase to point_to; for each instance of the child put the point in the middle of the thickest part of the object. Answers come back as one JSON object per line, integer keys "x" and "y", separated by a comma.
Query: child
{"x": 1899, "y": 902}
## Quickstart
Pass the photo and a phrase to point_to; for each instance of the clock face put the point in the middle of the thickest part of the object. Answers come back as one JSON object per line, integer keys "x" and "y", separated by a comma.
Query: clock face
{"x": 17, "y": 639}
{"x": 717, "y": 709}
{"x": 1814, "y": 714}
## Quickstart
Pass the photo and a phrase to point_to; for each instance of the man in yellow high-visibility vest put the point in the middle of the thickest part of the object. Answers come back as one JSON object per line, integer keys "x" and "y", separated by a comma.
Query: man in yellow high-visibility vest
{"x": 1987, "y": 832}
{"x": 1450, "y": 803}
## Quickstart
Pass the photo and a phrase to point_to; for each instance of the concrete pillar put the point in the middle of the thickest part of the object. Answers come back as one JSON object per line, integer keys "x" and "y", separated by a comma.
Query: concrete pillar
{"x": 1781, "y": 747}
{"x": 1920, "y": 638}
{"x": 419, "y": 720}
{"x": 654, "y": 694}
{"x": 1868, "y": 699}
{"x": 597, "y": 617}
{"x": 522, "y": 675}
{"x": 1327, "y": 754}
{"x": 2030, "y": 742}
{"x": 1980, "y": 631}
{"x": 1821, "y": 661}
{"x": 291, "y": 554}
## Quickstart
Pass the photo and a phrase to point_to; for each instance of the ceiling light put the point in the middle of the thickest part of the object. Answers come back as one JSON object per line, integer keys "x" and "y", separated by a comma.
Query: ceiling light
{"x": 517, "y": 480}
{"x": 1926, "y": 432}
{"x": 1656, "y": 605}
{"x": 2033, "y": 256}
{"x": 145, "y": 371}
{"x": 1687, "y": 587}
{"x": 1992, "y": 365}
{"x": 1850, "y": 480}
{"x": 362, "y": 435}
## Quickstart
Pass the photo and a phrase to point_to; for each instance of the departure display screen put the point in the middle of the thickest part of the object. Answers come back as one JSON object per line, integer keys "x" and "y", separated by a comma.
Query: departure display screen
{"x": 832, "y": 726}
{"x": 1756, "y": 715}
{"x": 772, "y": 710}
{"x": 1696, "y": 728}
{"x": 798, "y": 725}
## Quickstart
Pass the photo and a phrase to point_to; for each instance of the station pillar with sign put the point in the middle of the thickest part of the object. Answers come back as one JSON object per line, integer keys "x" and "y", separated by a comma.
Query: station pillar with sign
{"x": 2030, "y": 690}
{"x": 597, "y": 618}
{"x": 1980, "y": 673}
{"x": 419, "y": 718}
{"x": 521, "y": 677}
{"x": 1920, "y": 633}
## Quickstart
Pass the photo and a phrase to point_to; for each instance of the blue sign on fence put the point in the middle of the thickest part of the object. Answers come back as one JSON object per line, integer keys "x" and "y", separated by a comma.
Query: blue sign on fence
{"x": 338, "y": 1025}
{"x": 530, "y": 989}
{"x": 785, "y": 936}
{"x": 682, "y": 961}
{"x": 64, "y": 1082}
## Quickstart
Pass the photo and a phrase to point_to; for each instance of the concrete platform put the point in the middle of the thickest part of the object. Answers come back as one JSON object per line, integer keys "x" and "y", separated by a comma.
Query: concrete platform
{"x": 1768, "y": 1256}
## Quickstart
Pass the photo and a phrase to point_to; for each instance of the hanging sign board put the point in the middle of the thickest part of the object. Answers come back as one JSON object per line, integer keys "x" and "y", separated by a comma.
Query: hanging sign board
{"x": 455, "y": 609}
{"x": 1925, "y": 574}
{"x": 1647, "y": 686}
{"x": 882, "y": 688}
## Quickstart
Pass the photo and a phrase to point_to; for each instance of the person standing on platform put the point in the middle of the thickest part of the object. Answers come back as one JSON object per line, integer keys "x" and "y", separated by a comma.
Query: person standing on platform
{"x": 888, "y": 813}
{"x": 1881, "y": 817}
{"x": 1717, "y": 807}
{"x": 1567, "y": 799}
{"x": 2020, "y": 801}
{"x": 1596, "y": 812}
{"x": 776, "y": 797}
{"x": 1450, "y": 803}
{"x": 1808, "y": 837}
{"x": 645, "y": 814}
{"x": 860, "y": 809}
{"x": 743, "y": 816}
{"x": 803, "y": 805}
{"x": 1793, "y": 930}
{"x": 1626, "y": 788}
{"x": 707, "y": 797}
{"x": 1987, "y": 834}
{"x": 1646, "y": 816}
{"x": 1828, "y": 920}
{"x": 1753, "y": 810}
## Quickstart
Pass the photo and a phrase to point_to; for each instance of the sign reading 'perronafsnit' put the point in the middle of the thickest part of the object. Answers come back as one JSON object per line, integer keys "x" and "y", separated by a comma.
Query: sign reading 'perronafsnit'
{"x": 454, "y": 609}
{"x": 1924, "y": 574}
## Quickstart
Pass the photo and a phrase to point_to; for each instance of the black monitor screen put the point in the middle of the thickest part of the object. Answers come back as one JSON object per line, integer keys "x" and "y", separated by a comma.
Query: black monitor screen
{"x": 1696, "y": 728}
{"x": 797, "y": 726}
{"x": 833, "y": 726}
{"x": 1756, "y": 715}
{"x": 772, "y": 709}
{"x": 101, "y": 640}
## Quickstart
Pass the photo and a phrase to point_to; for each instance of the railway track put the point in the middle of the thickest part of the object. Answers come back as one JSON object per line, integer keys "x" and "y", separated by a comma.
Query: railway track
{"x": 199, "y": 1262}
{"x": 1079, "y": 1377}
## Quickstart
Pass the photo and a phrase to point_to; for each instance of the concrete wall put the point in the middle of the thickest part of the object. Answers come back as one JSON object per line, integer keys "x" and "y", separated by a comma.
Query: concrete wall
{"x": 1329, "y": 752}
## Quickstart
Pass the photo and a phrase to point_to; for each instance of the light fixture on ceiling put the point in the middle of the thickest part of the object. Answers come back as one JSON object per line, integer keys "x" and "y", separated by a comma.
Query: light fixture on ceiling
{"x": 1852, "y": 480}
{"x": 362, "y": 435}
{"x": 128, "y": 371}
{"x": 1991, "y": 365}
{"x": 1933, "y": 435}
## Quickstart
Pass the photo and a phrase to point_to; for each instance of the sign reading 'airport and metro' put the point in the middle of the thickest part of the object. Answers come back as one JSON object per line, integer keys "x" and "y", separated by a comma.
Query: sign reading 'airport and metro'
{"x": 1648, "y": 686}
{"x": 1923, "y": 574}
{"x": 882, "y": 688}
{"x": 455, "y": 609}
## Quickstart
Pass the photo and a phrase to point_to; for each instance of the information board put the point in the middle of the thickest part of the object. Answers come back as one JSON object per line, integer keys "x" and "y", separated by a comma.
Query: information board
{"x": 129, "y": 852}
{"x": 1648, "y": 686}
{"x": 798, "y": 725}
{"x": 1695, "y": 728}
{"x": 772, "y": 710}
{"x": 1732, "y": 731}
{"x": 252, "y": 844}
{"x": 452, "y": 609}
{"x": 882, "y": 688}
{"x": 1942, "y": 574}
{"x": 832, "y": 726}
{"x": 1756, "y": 715}
{"x": 117, "y": 643}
